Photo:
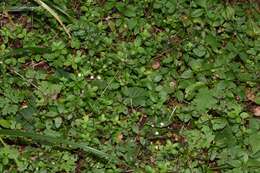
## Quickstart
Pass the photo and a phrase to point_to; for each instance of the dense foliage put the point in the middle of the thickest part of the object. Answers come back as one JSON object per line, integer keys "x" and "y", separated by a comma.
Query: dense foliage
{"x": 158, "y": 85}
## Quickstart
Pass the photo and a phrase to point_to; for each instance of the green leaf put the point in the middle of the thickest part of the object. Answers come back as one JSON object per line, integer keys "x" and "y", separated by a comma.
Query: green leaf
{"x": 132, "y": 23}
{"x": 218, "y": 123}
{"x": 49, "y": 88}
{"x": 192, "y": 88}
{"x": 225, "y": 137}
{"x": 254, "y": 141}
{"x": 75, "y": 43}
{"x": 134, "y": 92}
{"x": 10, "y": 109}
{"x": 254, "y": 124}
{"x": 135, "y": 96}
{"x": 130, "y": 11}
{"x": 212, "y": 41}
{"x": 204, "y": 100}
{"x": 197, "y": 13}
{"x": 187, "y": 74}
{"x": 257, "y": 99}
{"x": 5, "y": 123}
{"x": 58, "y": 122}
{"x": 157, "y": 78}
{"x": 229, "y": 13}
{"x": 202, "y": 3}
{"x": 199, "y": 51}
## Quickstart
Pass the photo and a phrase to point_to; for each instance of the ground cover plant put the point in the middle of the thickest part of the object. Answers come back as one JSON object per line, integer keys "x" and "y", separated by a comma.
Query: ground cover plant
{"x": 129, "y": 86}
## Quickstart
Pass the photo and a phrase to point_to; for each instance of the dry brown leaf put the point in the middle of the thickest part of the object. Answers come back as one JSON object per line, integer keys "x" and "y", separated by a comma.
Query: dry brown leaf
{"x": 24, "y": 104}
{"x": 119, "y": 137}
{"x": 250, "y": 95}
{"x": 256, "y": 111}
{"x": 156, "y": 65}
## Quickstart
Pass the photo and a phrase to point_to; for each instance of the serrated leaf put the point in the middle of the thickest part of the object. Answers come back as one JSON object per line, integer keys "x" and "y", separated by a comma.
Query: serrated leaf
{"x": 134, "y": 92}
{"x": 135, "y": 96}
{"x": 9, "y": 109}
{"x": 254, "y": 141}
{"x": 218, "y": 123}
{"x": 199, "y": 51}
{"x": 204, "y": 100}
{"x": 190, "y": 89}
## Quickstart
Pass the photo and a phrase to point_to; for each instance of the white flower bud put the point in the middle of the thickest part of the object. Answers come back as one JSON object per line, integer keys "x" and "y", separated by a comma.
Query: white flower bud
{"x": 161, "y": 124}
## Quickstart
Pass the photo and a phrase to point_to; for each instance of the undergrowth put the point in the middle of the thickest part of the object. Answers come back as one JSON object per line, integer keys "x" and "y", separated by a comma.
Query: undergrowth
{"x": 129, "y": 86}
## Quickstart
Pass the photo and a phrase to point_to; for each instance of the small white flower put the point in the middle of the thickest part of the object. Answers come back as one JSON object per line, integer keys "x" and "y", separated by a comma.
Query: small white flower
{"x": 173, "y": 84}
{"x": 161, "y": 124}
{"x": 152, "y": 125}
{"x": 157, "y": 147}
{"x": 98, "y": 77}
{"x": 156, "y": 133}
{"x": 24, "y": 106}
{"x": 79, "y": 74}
{"x": 91, "y": 77}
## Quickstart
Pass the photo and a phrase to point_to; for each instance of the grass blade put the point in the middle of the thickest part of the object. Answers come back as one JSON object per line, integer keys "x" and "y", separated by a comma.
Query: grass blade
{"x": 54, "y": 141}
{"x": 35, "y": 8}
{"x": 21, "y": 8}
{"x": 62, "y": 11}
{"x": 54, "y": 14}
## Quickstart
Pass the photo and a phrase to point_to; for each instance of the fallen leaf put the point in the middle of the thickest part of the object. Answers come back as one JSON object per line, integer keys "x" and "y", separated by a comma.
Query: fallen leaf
{"x": 24, "y": 104}
{"x": 250, "y": 95}
{"x": 256, "y": 111}
{"x": 156, "y": 65}
{"x": 119, "y": 137}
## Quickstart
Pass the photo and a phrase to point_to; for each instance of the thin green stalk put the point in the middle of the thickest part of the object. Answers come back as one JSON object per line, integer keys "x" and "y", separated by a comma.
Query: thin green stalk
{"x": 55, "y": 141}
{"x": 21, "y": 8}
{"x": 54, "y": 14}
{"x": 2, "y": 141}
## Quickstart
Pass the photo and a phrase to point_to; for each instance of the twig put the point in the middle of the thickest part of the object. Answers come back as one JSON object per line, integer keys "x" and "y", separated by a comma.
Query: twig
{"x": 174, "y": 109}
{"x": 2, "y": 141}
